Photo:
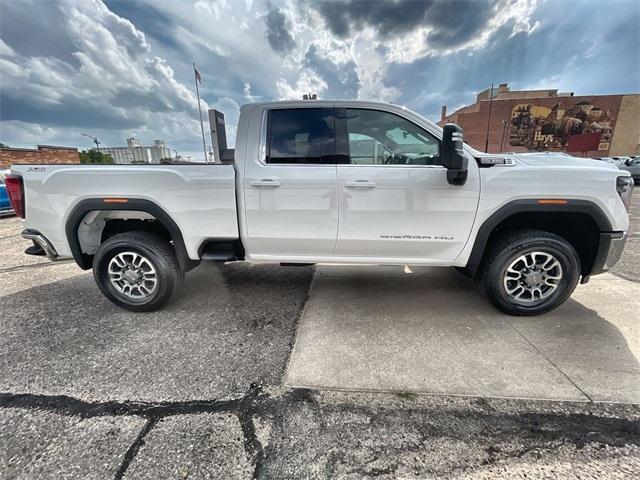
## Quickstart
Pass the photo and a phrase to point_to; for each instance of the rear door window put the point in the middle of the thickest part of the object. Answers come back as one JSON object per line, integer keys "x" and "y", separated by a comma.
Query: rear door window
{"x": 301, "y": 136}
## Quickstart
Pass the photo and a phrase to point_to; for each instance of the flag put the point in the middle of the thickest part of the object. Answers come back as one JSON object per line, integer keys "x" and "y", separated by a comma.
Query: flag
{"x": 197, "y": 73}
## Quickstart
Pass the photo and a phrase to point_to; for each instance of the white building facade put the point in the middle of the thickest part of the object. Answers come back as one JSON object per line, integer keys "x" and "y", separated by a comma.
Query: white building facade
{"x": 135, "y": 153}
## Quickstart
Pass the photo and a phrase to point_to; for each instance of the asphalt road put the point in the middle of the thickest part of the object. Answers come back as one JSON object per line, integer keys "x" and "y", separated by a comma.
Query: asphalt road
{"x": 195, "y": 391}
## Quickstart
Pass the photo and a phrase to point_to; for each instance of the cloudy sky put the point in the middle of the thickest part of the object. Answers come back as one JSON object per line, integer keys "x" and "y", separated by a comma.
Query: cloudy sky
{"x": 119, "y": 68}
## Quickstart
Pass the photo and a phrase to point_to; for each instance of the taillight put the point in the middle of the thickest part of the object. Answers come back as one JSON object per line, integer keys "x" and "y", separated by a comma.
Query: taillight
{"x": 15, "y": 189}
{"x": 624, "y": 186}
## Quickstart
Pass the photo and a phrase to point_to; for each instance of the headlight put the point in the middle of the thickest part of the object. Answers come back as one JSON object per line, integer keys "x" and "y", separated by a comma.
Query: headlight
{"x": 624, "y": 186}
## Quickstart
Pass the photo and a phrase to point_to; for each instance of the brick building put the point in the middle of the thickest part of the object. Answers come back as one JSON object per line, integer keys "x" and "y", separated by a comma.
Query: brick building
{"x": 42, "y": 154}
{"x": 541, "y": 120}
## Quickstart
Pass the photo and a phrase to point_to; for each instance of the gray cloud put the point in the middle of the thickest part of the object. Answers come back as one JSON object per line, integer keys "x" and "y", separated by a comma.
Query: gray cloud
{"x": 278, "y": 33}
{"x": 388, "y": 16}
{"x": 457, "y": 22}
{"x": 155, "y": 23}
{"x": 32, "y": 34}
{"x": 453, "y": 22}
{"x": 342, "y": 80}
{"x": 69, "y": 112}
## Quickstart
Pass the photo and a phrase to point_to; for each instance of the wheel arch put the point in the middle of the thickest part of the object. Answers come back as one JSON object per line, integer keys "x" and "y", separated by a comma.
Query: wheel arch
{"x": 583, "y": 216}
{"x": 85, "y": 206}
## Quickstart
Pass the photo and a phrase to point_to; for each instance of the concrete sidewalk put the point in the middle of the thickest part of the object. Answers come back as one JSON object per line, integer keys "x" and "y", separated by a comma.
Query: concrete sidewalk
{"x": 379, "y": 329}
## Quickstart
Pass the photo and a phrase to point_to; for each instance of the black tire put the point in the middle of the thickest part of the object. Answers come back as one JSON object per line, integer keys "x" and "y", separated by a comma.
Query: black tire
{"x": 157, "y": 251}
{"x": 512, "y": 246}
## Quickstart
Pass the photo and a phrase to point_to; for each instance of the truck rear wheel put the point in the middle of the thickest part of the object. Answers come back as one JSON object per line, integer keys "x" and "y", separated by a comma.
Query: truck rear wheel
{"x": 530, "y": 272}
{"x": 138, "y": 271}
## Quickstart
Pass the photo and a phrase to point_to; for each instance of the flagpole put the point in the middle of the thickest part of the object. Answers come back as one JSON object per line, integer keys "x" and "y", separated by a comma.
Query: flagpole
{"x": 204, "y": 145}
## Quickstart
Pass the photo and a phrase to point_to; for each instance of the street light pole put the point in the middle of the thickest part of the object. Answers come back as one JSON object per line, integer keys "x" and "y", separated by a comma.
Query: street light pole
{"x": 504, "y": 129}
{"x": 95, "y": 139}
{"x": 486, "y": 145}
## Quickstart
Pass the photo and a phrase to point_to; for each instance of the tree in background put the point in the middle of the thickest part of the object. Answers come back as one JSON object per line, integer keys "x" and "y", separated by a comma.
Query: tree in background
{"x": 94, "y": 156}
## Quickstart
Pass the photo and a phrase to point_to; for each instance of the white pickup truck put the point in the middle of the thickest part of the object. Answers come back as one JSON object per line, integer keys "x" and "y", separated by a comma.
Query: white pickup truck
{"x": 338, "y": 182}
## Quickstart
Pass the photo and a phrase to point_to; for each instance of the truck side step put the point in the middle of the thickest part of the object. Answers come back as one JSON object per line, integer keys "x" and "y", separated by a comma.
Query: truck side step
{"x": 218, "y": 256}
{"x": 221, "y": 250}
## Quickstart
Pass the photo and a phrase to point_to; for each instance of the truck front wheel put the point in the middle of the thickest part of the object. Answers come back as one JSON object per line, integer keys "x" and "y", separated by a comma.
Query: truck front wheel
{"x": 530, "y": 272}
{"x": 138, "y": 271}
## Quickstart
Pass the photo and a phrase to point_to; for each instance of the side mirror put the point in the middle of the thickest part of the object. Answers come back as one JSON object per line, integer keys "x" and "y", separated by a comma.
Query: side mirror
{"x": 452, "y": 154}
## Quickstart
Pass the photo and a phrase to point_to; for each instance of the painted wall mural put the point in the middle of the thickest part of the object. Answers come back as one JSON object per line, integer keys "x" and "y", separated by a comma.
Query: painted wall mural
{"x": 582, "y": 126}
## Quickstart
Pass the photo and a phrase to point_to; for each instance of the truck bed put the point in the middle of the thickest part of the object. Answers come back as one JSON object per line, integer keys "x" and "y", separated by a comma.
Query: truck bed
{"x": 200, "y": 199}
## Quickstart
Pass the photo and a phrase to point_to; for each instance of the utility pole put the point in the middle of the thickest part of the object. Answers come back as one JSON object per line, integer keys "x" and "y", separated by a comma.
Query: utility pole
{"x": 198, "y": 79}
{"x": 486, "y": 145}
{"x": 504, "y": 129}
{"x": 95, "y": 139}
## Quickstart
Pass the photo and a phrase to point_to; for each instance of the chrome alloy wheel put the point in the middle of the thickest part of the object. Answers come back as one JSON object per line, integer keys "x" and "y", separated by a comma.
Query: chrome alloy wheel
{"x": 532, "y": 277}
{"x": 133, "y": 275}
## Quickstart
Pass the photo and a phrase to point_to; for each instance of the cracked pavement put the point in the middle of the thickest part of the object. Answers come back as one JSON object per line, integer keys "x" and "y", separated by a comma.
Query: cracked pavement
{"x": 300, "y": 433}
{"x": 195, "y": 391}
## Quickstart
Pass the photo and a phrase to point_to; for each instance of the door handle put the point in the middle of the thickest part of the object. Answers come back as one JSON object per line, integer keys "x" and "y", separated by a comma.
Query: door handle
{"x": 360, "y": 184}
{"x": 266, "y": 182}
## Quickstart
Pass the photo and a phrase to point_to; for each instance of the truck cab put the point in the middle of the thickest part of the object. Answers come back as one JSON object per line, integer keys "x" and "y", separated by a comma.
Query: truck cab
{"x": 349, "y": 182}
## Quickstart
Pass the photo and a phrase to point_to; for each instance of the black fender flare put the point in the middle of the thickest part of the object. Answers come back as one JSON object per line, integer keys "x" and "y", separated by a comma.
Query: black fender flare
{"x": 526, "y": 206}
{"x": 87, "y": 205}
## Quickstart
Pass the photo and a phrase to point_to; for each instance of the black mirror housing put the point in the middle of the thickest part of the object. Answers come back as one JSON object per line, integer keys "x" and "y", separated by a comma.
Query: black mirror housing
{"x": 452, "y": 154}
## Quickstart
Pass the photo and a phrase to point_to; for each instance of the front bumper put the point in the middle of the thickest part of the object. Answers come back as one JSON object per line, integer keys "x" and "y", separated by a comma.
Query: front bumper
{"x": 609, "y": 252}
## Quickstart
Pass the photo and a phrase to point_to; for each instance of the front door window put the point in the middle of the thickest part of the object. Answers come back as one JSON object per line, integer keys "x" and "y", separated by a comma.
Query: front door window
{"x": 382, "y": 138}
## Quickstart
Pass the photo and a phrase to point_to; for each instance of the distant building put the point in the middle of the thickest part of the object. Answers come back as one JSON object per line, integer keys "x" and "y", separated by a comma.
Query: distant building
{"x": 134, "y": 152}
{"x": 43, "y": 154}
{"x": 542, "y": 120}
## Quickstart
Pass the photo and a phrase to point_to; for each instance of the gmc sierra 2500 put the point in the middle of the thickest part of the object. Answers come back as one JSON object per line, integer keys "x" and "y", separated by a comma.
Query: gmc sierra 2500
{"x": 338, "y": 182}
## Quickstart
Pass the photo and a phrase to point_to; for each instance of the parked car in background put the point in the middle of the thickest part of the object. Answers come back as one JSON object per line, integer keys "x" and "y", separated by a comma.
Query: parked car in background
{"x": 5, "y": 205}
{"x": 621, "y": 160}
{"x": 633, "y": 167}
